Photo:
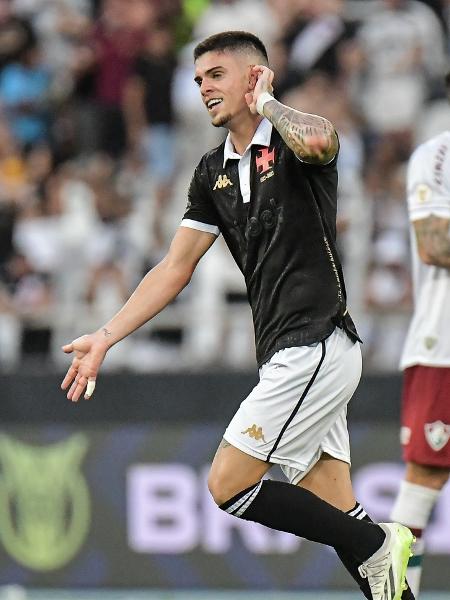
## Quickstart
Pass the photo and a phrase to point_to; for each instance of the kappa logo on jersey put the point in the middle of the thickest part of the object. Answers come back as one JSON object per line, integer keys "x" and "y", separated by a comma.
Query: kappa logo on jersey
{"x": 263, "y": 162}
{"x": 255, "y": 432}
{"x": 437, "y": 434}
{"x": 222, "y": 182}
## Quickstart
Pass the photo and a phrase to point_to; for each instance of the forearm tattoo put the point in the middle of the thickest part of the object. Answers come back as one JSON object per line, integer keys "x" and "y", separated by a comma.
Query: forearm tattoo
{"x": 311, "y": 137}
{"x": 106, "y": 332}
{"x": 433, "y": 240}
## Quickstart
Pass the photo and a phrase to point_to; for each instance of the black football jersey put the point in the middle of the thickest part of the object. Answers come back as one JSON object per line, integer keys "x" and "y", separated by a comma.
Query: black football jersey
{"x": 283, "y": 241}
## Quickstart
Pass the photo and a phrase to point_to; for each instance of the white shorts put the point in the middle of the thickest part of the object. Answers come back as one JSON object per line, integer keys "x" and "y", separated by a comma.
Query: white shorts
{"x": 298, "y": 410}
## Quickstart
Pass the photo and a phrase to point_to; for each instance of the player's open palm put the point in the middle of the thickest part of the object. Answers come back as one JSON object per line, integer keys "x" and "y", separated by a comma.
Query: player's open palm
{"x": 89, "y": 353}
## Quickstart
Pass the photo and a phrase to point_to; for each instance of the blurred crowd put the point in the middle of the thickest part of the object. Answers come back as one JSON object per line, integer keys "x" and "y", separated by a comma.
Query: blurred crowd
{"x": 101, "y": 126}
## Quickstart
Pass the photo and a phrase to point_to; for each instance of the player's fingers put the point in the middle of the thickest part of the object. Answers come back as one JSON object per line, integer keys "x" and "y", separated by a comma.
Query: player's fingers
{"x": 68, "y": 348}
{"x": 317, "y": 143}
{"x": 80, "y": 384}
{"x": 89, "y": 388}
{"x": 264, "y": 73}
{"x": 72, "y": 388}
{"x": 70, "y": 375}
{"x": 78, "y": 391}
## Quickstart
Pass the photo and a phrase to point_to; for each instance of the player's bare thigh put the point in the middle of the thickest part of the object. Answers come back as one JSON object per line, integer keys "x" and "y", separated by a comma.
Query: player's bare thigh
{"x": 233, "y": 471}
{"x": 330, "y": 480}
{"x": 428, "y": 476}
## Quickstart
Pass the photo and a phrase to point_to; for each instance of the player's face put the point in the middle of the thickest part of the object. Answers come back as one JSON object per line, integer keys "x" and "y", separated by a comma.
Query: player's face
{"x": 223, "y": 79}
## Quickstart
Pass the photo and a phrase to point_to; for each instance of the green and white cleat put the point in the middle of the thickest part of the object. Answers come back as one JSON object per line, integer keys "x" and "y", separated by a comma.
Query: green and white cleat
{"x": 386, "y": 569}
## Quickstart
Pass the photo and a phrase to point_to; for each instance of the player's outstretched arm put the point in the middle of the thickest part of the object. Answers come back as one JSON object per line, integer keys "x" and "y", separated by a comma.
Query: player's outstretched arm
{"x": 156, "y": 290}
{"x": 311, "y": 137}
{"x": 433, "y": 240}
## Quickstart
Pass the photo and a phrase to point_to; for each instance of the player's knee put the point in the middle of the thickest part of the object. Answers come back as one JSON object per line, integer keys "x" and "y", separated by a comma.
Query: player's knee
{"x": 223, "y": 486}
{"x": 220, "y": 490}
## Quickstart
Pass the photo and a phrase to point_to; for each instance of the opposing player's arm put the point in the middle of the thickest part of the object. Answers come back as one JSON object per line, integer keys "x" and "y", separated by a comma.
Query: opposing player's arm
{"x": 433, "y": 240}
{"x": 311, "y": 137}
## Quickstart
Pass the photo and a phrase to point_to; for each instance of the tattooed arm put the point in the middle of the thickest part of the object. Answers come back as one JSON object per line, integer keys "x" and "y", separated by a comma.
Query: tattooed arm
{"x": 433, "y": 240}
{"x": 312, "y": 138}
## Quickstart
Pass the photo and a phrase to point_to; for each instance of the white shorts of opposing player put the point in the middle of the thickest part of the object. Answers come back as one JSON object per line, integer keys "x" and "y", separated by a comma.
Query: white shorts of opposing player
{"x": 298, "y": 410}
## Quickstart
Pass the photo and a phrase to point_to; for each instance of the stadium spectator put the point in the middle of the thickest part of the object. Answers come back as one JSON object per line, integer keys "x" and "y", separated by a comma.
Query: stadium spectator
{"x": 254, "y": 15}
{"x": 16, "y": 34}
{"x": 314, "y": 40}
{"x": 118, "y": 35}
{"x": 150, "y": 120}
{"x": 24, "y": 96}
{"x": 109, "y": 245}
{"x": 403, "y": 46}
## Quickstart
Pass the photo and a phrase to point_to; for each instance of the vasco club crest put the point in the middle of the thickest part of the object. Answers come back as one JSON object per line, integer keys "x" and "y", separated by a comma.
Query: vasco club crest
{"x": 44, "y": 501}
{"x": 437, "y": 434}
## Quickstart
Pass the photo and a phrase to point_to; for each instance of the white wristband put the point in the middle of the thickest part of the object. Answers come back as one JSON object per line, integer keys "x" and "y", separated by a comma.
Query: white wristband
{"x": 262, "y": 99}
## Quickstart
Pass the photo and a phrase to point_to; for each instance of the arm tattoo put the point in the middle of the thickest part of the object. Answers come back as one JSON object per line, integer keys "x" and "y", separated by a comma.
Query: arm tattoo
{"x": 312, "y": 138}
{"x": 106, "y": 332}
{"x": 433, "y": 240}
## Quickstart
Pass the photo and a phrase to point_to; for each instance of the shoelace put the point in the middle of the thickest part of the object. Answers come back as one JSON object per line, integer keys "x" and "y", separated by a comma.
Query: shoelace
{"x": 376, "y": 572}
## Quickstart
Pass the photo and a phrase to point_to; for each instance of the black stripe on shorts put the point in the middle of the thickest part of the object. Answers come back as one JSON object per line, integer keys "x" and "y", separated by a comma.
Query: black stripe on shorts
{"x": 299, "y": 403}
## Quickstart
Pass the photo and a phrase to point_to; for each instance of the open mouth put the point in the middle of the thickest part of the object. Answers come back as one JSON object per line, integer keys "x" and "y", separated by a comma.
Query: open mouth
{"x": 211, "y": 104}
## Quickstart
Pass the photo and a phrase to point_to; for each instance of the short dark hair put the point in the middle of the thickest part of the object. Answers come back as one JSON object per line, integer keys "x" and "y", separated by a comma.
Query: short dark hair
{"x": 231, "y": 40}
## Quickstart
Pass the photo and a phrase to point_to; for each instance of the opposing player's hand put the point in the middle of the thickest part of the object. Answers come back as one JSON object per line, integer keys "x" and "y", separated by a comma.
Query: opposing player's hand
{"x": 89, "y": 352}
{"x": 262, "y": 77}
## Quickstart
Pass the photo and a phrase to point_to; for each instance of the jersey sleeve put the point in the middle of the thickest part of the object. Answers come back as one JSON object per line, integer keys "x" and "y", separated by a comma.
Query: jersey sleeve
{"x": 200, "y": 213}
{"x": 428, "y": 185}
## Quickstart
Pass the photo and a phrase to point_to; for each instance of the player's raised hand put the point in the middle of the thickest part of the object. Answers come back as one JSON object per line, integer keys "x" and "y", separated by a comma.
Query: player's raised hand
{"x": 262, "y": 78}
{"x": 89, "y": 353}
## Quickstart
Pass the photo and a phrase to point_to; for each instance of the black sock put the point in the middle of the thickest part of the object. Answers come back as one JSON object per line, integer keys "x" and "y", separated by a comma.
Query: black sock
{"x": 351, "y": 563}
{"x": 348, "y": 558}
{"x": 287, "y": 507}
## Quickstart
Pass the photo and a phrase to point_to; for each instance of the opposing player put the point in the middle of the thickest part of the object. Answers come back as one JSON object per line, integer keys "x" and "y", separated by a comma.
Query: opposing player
{"x": 425, "y": 431}
{"x": 270, "y": 189}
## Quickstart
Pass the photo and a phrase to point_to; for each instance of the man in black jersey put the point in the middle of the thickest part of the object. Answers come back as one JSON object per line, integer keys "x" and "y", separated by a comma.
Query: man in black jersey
{"x": 270, "y": 189}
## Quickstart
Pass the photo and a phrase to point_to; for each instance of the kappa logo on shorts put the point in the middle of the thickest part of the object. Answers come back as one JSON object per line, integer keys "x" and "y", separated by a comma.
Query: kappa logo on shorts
{"x": 430, "y": 342}
{"x": 255, "y": 432}
{"x": 437, "y": 434}
{"x": 222, "y": 182}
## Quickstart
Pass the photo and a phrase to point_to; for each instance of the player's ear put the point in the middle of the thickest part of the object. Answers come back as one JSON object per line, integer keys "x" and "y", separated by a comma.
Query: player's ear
{"x": 252, "y": 78}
